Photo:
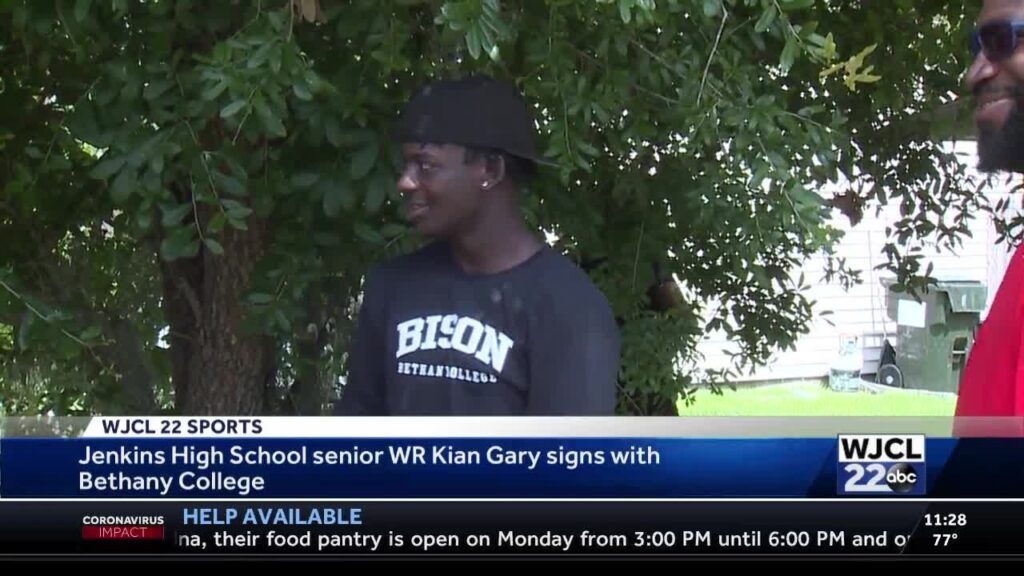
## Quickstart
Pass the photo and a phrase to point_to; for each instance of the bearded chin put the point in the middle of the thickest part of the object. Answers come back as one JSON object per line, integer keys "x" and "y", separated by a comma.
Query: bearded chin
{"x": 1002, "y": 149}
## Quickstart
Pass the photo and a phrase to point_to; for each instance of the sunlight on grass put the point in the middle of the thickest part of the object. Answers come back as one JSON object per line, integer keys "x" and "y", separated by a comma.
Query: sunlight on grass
{"x": 812, "y": 399}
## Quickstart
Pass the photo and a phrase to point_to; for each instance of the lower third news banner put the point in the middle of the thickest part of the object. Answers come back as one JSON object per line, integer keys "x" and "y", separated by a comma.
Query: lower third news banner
{"x": 493, "y": 487}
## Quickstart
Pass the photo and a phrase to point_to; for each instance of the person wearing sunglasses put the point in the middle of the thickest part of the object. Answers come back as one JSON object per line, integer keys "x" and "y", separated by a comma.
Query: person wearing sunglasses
{"x": 993, "y": 380}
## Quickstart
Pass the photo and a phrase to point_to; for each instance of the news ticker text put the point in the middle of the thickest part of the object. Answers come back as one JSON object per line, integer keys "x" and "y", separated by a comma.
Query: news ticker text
{"x": 511, "y": 528}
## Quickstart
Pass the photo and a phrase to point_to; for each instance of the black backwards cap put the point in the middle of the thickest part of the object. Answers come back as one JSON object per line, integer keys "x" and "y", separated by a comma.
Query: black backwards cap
{"x": 475, "y": 112}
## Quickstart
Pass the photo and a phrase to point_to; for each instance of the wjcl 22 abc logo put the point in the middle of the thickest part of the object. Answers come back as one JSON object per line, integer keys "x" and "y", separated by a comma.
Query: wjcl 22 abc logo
{"x": 881, "y": 464}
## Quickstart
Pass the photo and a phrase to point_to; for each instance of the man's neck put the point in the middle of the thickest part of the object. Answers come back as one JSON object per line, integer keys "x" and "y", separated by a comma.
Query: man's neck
{"x": 496, "y": 244}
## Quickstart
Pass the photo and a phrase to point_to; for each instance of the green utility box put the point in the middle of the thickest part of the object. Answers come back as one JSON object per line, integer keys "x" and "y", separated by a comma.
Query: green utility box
{"x": 935, "y": 334}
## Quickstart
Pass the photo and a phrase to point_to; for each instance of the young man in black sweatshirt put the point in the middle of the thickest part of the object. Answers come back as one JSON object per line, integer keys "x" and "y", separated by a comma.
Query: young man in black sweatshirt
{"x": 487, "y": 319}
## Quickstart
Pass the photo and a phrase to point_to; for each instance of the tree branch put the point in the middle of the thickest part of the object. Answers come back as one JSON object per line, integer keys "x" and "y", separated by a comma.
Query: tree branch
{"x": 190, "y": 296}
{"x": 28, "y": 305}
{"x": 707, "y": 67}
{"x": 635, "y": 86}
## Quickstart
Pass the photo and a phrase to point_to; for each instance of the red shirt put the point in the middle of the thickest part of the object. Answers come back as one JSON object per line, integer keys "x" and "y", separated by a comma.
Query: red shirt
{"x": 993, "y": 380}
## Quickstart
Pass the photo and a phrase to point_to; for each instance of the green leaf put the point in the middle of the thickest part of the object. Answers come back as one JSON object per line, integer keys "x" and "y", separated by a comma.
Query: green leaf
{"x": 831, "y": 70}
{"x": 275, "y": 61}
{"x": 829, "y": 48}
{"x": 150, "y": 184}
{"x": 234, "y": 206}
{"x": 144, "y": 219}
{"x": 230, "y": 204}
{"x": 759, "y": 175}
{"x": 260, "y": 56}
{"x": 156, "y": 88}
{"x": 473, "y": 42}
{"x": 91, "y": 333}
{"x": 282, "y": 320}
{"x": 761, "y": 277}
{"x": 625, "y": 11}
{"x": 123, "y": 185}
{"x": 238, "y": 213}
{"x": 260, "y": 298}
{"x": 156, "y": 164}
{"x": 216, "y": 223}
{"x": 211, "y": 93}
{"x": 107, "y": 167}
{"x": 229, "y": 184}
{"x": 803, "y": 197}
{"x": 363, "y": 161}
{"x": 789, "y": 54}
{"x": 179, "y": 244}
{"x": 712, "y": 7}
{"x": 304, "y": 179}
{"x": 272, "y": 123}
{"x": 213, "y": 246}
{"x": 377, "y": 192}
{"x": 333, "y": 132}
{"x": 866, "y": 78}
{"x": 393, "y": 230}
{"x": 367, "y": 234}
{"x": 82, "y": 9}
{"x": 28, "y": 319}
{"x": 793, "y": 5}
{"x": 232, "y": 109}
{"x": 587, "y": 148}
{"x": 487, "y": 40}
{"x": 302, "y": 92}
{"x": 174, "y": 216}
{"x": 857, "y": 61}
{"x": 766, "y": 20}
{"x": 192, "y": 249}
{"x": 337, "y": 194}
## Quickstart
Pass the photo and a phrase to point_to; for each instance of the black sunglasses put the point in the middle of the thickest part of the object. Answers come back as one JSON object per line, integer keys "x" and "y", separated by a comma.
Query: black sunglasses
{"x": 997, "y": 39}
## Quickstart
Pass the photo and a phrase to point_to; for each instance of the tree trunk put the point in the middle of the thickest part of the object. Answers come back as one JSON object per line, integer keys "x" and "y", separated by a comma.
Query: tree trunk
{"x": 308, "y": 392}
{"x": 217, "y": 368}
{"x": 128, "y": 353}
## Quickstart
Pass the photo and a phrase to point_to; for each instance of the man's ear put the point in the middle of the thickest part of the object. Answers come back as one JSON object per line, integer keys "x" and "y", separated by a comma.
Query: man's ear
{"x": 494, "y": 170}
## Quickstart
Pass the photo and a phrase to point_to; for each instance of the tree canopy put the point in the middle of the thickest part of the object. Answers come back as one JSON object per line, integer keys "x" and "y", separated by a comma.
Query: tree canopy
{"x": 190, "y": 192}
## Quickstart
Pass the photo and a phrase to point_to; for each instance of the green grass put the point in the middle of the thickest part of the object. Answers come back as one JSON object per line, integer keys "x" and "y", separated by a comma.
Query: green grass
{"x": 812, "y": 399}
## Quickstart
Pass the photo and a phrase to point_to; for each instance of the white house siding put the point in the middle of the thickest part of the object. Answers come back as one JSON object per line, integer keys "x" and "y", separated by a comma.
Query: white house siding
{"x": 861, "y": 311}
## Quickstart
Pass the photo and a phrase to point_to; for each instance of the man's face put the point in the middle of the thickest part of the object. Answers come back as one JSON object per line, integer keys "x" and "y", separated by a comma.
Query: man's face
{"x": 442, "y": 191}
{"x": 997, "y": 81}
